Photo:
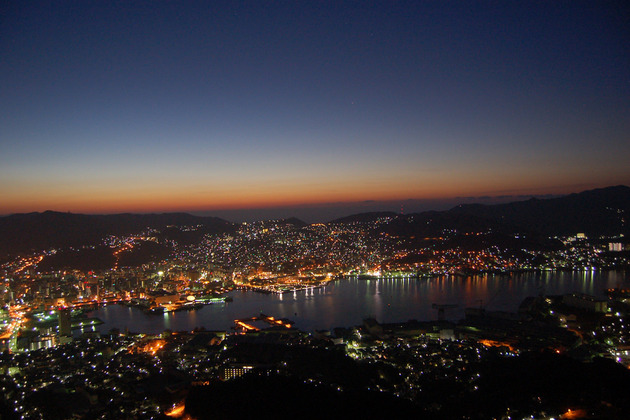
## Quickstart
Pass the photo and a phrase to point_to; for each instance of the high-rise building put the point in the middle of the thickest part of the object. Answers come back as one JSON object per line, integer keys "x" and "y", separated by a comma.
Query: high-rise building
{"x": 65, "y": 326}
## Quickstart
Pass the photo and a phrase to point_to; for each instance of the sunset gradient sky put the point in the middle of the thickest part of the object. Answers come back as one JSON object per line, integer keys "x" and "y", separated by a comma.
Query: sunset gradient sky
{"x": 308, "y": 107}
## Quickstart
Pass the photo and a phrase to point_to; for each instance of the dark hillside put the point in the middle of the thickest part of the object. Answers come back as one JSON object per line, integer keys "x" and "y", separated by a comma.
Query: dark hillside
{"x": 597, "y": 212}
{"x": 38, "y": 231}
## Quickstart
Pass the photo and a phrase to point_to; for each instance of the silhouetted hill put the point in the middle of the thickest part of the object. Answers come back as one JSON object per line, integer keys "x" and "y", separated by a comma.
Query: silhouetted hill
{"x": 36, "y": 231}
{"x": 432, "y": 224}
{"x": 364, "y": 217}
{"x": 294, "y": 221}
{"x": 596, "y": 212}
{"x": 99, "y": 258}
{"x": 102, "y": 257}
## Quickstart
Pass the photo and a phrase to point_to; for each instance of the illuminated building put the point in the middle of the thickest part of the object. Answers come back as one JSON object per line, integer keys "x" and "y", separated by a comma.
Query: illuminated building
{"x": 234, "y": 371}
{"x": 615, "y": 246}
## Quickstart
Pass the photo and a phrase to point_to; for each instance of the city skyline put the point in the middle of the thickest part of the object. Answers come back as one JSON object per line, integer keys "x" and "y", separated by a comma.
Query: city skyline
{"x": 268, "y": 109}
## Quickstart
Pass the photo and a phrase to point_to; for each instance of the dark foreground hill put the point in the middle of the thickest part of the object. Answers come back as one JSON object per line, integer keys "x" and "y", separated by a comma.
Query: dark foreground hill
{"x": 36, "y": 231}
{"x": 280, "y": 397}
{"x": 513, "y": 387}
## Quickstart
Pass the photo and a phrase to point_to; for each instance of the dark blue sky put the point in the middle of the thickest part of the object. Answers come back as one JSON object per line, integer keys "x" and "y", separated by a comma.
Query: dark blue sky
{"x": 210, "y": 106}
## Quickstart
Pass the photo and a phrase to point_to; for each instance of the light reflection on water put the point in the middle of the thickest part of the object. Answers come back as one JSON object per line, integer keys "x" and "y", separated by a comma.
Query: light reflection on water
{"x": 346, "y": 302}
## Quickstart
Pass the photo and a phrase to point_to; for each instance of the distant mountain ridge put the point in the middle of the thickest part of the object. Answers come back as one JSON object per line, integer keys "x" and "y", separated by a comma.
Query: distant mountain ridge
{"x": 293, "y": 221}
{"x": 603, "y": 211}
{"x": 364, "y": 217}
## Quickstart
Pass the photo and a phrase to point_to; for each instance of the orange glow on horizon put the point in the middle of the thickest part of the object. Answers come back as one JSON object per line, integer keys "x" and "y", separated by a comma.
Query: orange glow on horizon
{"x": 262, "y": 194}
{"x": 182, "y": 200}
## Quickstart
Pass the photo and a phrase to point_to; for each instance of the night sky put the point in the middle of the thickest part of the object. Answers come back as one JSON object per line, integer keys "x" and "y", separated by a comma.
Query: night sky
{"x": 314, "y": 109}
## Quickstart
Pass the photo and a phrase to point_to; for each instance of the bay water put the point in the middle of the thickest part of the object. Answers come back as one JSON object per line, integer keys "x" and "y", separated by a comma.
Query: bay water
{"x": 346, "y": 302}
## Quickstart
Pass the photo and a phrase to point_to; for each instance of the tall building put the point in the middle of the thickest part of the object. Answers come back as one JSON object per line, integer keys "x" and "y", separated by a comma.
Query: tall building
{"x": 65, "y": 326}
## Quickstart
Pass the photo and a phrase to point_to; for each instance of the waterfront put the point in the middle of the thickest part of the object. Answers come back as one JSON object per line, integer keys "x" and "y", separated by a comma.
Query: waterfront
{"x": 346, "y": 302}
